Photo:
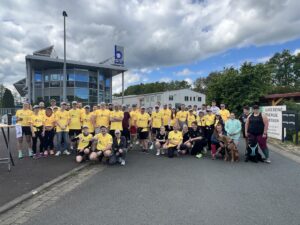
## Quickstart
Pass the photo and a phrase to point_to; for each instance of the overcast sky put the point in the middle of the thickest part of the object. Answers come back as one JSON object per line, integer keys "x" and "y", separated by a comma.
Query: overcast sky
{"x": 163, "y": 40}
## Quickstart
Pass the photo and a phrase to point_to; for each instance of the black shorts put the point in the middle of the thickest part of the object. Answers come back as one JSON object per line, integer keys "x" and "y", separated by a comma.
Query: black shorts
{"x": 80, "y": 153}
{"x": 162, "y": 143}
{"x": 26, "y": 130}
{"x": 155, "y": 130}
{"x": 74, "y": 132}
{"x": 143, "y": 135}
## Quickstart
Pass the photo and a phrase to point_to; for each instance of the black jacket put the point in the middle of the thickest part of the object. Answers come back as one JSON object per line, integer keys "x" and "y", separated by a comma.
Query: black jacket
{"x": 116, "y": 146}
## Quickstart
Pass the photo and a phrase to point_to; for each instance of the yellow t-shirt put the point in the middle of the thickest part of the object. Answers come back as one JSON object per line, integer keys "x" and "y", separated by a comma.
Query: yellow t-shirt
{"x": 209, "y": 119}
{"x": 157, "y": 118}
{"x": 225, "y": 114}
{"x": 36, "y": 121}
{"x": 117, "y": 115}
{"x": 201, "y": 121}
{"x": 87, "y": 121}
{"x": 84, "y": 141}
{"x": 182, "y": 116}
{"x": 190, "y": 119}
{"x": 133, "y": 117}
{"x": 175, "y": 138}
{"x": 25, "y": 115}
{"x": 102, "y": 117}
{"x": 75, "y": 122}
{"x": 49, "y": 121}
{"x": 166, "y": 115}
{"x": 103, "y": 141}
{"x": 173, "y": 121}
{"x": 42, "y": 112}
{"x": 62, "y": 117}
{"x": 142, "y": 121}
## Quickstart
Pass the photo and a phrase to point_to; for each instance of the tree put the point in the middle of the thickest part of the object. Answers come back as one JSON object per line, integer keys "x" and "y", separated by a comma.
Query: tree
{"x": 2, "y": 89}
{"x": 8, "y": 99}
{"x": 200, "y": 84}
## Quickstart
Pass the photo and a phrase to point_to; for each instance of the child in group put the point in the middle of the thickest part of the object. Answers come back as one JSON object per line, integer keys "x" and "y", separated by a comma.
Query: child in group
{"x": 84, "y": 144}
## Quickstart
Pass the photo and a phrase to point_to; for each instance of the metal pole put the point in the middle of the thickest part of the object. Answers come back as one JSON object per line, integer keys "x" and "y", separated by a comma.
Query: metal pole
{"x": 122, "y": 88}
{"x": 65, "y": 67}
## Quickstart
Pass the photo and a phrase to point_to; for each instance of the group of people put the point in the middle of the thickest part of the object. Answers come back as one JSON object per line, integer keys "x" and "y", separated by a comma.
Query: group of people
{"x": 107, "y": 131}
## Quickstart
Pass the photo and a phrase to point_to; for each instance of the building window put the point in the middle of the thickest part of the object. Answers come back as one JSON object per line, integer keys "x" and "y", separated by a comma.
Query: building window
{"x": 93, "y": 82}
{"x": 101, "y": 96}
{"x": 101, "y": 81}
{"x": 107, "y": 82}
{"x": 81, "y": 80}
{"x": 186, "y": 98}
{"x": 147, "y": 99}
{"x": 70, "y": 80}
{"x": 152, "y": 99}
{"x": 194, "y": 98}
{"x": 199, "y": 99}
{"x": 170, "y": 97}
{"x": 159, "y": 98}
{"x": 191, "y": 99}
{"x": 81, "y": 94}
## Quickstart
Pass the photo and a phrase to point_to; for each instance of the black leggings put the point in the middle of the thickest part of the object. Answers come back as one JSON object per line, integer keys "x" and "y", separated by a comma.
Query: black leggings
{"x": 198, "y": 146}
{"x": 48, "y": 139}
{"x": 126, "y": 134}
{"x": 171, "y": 151}
{"x": 208, "y": 133}
{"x": 38, "y": 135}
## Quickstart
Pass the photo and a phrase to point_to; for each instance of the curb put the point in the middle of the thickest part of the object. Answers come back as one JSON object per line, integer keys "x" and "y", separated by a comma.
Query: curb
{"x": 280, "y": 150}
{"x": 39, "y": 189}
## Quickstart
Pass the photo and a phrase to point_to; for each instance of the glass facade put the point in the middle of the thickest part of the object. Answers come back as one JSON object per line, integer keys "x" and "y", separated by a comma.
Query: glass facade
{"x": 86, "y": 86}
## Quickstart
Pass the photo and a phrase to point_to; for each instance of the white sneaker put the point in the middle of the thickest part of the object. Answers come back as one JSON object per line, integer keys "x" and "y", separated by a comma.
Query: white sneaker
{"x": 137, "y": 142}
{"x": 66, "y": 152}
{"x": 267, "y": 160}
{"x": 123, "y": 162}
{"x": 151, "y": 146}
{"x": 58, "y": 154}
{"x": 157, "y": 153}
{"x": 204, "y": 150}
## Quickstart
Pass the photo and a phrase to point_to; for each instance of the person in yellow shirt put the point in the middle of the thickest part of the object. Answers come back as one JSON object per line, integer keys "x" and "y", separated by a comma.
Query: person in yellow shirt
{"x": 201, "y": 122}
{"x": 42, "y": 110}
{"x": 79, "y": 106}
{"x": 166, "y": 117}
{"x": 23, "y": 120}
{"x": 174, "y": 141}
{"x": 84, "y": 140}
{"x": 133, "y": 119}
{"x": 155, "y": 123}
{"x": 102, "y": 117}
{"x": 190, "y": 118}
{"x": 75, "y": 123}
{"x": 102, "y": 145}
{"x": 116, "y": 118}
{"x": 181, "y": 117}
{"x": 62, "y": 120}
{"x": 49, "y": 131}
{"x": 37, "y": 128}
{"x": 173, "y": 119}
{"x": 224, "y": 113}
{"x": 143, "y": 128}
{"x": 209, "y": 126}
{"x": 87, "y": 119}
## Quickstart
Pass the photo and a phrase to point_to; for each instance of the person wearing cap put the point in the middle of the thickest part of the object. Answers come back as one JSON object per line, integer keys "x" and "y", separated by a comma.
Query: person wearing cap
{"x": 174, "y": 141}
{"x": 191, "y": 118}
{"x": 102, "y": 117}
{"x": 126, "y": 125}
{"x": 166, "y": 117}
{"x": 23, "y": 120}
{"x": 49, "y": 131}
{"x": 37, "y": 128}
{"x": 42, "y": 110}
{"x": 214, "y": 108}
{"x": 62, "y": 120}
{"x": 256, "y": 129}
{"x": 116, "y": 118}
{"x": 181, "y": 117}
{"x": 209, "y": 126}
{"x": 142, "y": 123}
{"x": 102, "y": 146}
{"x": 75, "y": 123}
{"x": 87, "y": 119}
{"x": 133, "y": 120}
{"x": 84, "y": 144}
{"x": 156, "y": 122}
{"x": 225, "y": 114}
{"x": 119, "y": 147}
{"x": 201, "y": 121}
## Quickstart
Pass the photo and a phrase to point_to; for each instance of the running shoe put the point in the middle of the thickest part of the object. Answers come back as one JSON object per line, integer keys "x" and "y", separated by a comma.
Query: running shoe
{"x": 199, "y": 156}
{"x": 123, "y": 162}
{"x": 30, "y": 153}
{"x": 66, "y": 152}
{"x": 20, "y": 155}
{"x": 58, "y": 153}
{"x": 158, "y": 153}
{"x": 267, "y": 160}
{"x": 51, "y": 152}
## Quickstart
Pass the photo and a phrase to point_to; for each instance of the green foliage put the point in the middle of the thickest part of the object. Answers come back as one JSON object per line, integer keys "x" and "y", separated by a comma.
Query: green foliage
{"x": 292, "y": 105}
{"x": 8, "y": 99}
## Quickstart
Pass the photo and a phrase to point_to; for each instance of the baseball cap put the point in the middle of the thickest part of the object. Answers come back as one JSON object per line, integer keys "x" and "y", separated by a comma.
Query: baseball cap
{"x": 156, "y": 106}
{"x": 36, "y": 107}
{"x": 74, "y": 102}
{"x": 86, "y": 107}
{"x": 63, "y": 103}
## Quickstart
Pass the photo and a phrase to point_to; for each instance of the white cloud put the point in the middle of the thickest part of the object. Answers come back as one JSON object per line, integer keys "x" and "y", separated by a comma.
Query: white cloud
{"x": 190, "y": 81}
{"x": 165, "y": 79}
{"x": 297, "y": 51}
{"x": 187, "y": 72}
{"x": 154, "y": 33}
{"x": 263, "y": 59}
{"x": 130, "y": 78}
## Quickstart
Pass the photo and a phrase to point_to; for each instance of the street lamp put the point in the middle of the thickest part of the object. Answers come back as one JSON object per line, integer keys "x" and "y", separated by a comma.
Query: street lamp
{"x": 65, "y": 66}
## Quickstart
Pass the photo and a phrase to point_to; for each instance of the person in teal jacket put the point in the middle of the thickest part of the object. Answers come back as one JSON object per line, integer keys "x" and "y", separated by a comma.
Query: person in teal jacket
{"x": 233, "y": 128}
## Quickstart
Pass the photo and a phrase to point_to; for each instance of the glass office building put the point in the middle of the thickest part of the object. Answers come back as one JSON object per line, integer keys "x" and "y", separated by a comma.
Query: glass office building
{"x": 89, "y": 83}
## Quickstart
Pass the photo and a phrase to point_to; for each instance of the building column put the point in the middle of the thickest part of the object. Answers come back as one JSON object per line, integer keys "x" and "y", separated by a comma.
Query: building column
{"x": 122, "y": 88}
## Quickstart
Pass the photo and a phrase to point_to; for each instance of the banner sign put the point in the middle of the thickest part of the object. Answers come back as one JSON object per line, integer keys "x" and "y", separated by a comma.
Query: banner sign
{"x": 274, "y": 114}
{"x": 119, "y": 55}
{"x": 289, "y": 120}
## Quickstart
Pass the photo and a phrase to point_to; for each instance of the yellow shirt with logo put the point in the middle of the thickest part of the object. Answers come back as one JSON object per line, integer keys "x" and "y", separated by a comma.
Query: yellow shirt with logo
{"x": 225, "y": 114}
{"x": 49, "y": 121}
{"x": 25, "y": 115}
{"x": 133, "y": 117}
{"x": 87, "y": 121}
{"x": 62, "y": 118}
{"x": 36, "y": 121}
{"x": 117, "y": 115}
{"x": 42, "y": 112}
{"x": 201, "y": 121}
{"x": 103, "y": 141}
{"x": 102, "y": 117}
{"x": 157, "y": 118}
{"x": 182, "y": 116}
{"x": 174, "y": 138}
{"x": 75, "y": 116}
{"x": 190, "y": 119}
{"x": 167, "y": 116}
{"x": 84, "y": 141}
{"x": 142, "y": 121}
{"x": 209, "y": 119}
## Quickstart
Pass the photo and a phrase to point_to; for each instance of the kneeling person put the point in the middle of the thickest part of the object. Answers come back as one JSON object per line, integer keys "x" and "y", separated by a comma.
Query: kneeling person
{"x": 84, "y": 144}
{"x": 119, "y": 148}
{"x": 197, "y": 140}
{"x": 174, "y": 141}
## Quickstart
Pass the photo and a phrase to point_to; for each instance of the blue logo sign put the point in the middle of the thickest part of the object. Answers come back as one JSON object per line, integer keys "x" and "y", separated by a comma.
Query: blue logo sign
{"x": 119, "y": 55}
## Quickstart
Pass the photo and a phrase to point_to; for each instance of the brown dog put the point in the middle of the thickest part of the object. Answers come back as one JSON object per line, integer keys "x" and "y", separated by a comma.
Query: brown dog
{"x": 230, "y": 149}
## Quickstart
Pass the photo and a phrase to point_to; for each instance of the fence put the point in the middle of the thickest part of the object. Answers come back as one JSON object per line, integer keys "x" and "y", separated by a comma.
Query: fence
{"x": 4, "y": 111}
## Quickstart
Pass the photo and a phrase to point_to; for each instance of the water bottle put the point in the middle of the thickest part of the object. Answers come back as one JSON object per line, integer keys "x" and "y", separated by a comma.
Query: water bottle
{"x": 14, "y": 120}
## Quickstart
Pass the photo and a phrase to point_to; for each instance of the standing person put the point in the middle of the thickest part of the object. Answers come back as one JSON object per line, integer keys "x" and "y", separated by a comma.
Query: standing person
{"x": 161, "y": 138}
{"x": 225, "y": 114}
{"x": 75, "y": 123}
{"x": 195, "y": 110}
{"x": 174, "y": 141}
{"x": 155, "y": 123}
{"x": 133, "y": 120}
{"x": 166, "y": 117}
{"x": 62, "y": 120}
{"x": 203, "y": 108}
{"x": 181, "y": 116}
{"x": 37, "y": 129}
{"x": 87, "y": 119}
{"x": 42, "y": 110}
{"x": 49, "y": 131}
{"x": 256, "y": 128}
{"x": 201, "y": 121}
{"x": 233, "y": 128}
{"x": 197, "y": 140}
{"x": 119, "y": 148}
{"x": 53, "y": 104}
{"x": 126, "y": 125}
{"x": 116, "y": 118}
{"x": 191, "y": 117}
{"x": 214, "y": 108}
{"x": 218, "y": 120}
{"x": 110, "y": 107}
{"x": 170, "y": 107}
{"x": 243, "y": 119}
{"x": 209, "y": 126}
{"x": 143, "y": 120}
{"x": 173, "y": 119}
{"x": 23, "y": 119}
{"x": 149, "y": 111}
{"x": 102, "y": 117}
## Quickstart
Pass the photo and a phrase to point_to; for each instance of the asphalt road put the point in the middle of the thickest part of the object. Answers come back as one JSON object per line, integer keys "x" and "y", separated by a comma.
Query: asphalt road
{"x": 186, "y": 190}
